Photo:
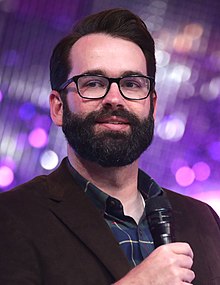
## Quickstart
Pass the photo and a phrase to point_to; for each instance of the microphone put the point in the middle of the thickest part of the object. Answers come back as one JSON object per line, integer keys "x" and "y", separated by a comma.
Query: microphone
{"x": 159, "y": 216}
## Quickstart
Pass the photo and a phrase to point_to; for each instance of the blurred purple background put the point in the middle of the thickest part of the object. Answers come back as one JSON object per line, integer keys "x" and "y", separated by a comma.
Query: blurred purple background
{"x": 185, "y": 154}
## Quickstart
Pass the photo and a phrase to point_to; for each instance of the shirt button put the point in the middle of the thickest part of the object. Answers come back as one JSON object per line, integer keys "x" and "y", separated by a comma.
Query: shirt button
{"x": 112, "y": 203}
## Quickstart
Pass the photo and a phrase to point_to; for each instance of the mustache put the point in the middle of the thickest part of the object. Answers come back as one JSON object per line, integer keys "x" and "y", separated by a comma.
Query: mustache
{"x": 94, "y": 116}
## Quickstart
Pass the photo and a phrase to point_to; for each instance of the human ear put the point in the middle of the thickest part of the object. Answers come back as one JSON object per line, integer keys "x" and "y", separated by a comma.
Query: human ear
{"x": 154, "y": 102}
{"x": 56, "y": 108}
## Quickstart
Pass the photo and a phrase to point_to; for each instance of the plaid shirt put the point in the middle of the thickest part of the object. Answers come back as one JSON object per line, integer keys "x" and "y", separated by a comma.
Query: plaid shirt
{"x": 134, "y": 239}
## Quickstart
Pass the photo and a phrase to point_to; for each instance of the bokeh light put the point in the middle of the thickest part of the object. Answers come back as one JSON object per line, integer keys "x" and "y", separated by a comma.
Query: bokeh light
{"x": 210, "y": 90}
{"x": 180, "y": 73}
{"x": 183, "y": 43}
{"x": 171, "y": 128}
{"x": 194, "y": 30}
{"x": 162, "y": 58}
{"x": 49, "y": 160}
{"x": 27, "y": 111}
{"x": 1, "y": 96}
{"x": 188, "y": 40}
{"x": 6, "y": 176}
{"x": 185, "y": 176}
{"x": 202, "y": 171}
{"x": 38, "y": 138}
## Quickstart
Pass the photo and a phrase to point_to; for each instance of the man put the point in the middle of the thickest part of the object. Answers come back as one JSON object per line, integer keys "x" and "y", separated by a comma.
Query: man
{"x": 86, "y": 222}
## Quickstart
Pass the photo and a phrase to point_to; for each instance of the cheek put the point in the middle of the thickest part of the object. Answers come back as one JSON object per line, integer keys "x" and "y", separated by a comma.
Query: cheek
{"x": 79, "y": 105}
{"x": 141, "y": 108}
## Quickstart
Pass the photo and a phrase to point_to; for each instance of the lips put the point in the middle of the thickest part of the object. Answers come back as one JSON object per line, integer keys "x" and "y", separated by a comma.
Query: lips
{"x": 112, "y": 123}
{"x": 112, "y": 120}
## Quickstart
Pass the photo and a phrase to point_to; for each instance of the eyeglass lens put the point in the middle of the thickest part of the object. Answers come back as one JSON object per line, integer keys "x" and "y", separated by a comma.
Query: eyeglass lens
{"x": 91, "y": 86}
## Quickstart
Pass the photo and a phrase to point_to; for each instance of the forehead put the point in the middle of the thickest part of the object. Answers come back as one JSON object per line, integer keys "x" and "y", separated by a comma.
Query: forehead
{"x": 112, "y": 55}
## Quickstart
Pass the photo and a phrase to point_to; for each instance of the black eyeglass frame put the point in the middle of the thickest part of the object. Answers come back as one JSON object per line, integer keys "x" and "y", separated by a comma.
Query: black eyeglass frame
{"x": 110, "y": 80}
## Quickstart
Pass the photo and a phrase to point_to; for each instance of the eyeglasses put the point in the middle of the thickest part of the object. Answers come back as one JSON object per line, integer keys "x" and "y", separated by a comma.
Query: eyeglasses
{"x": 132, "y": 87}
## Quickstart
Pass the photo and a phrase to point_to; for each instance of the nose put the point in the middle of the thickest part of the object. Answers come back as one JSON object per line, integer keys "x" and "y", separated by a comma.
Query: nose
{"x": 113, "y": 98}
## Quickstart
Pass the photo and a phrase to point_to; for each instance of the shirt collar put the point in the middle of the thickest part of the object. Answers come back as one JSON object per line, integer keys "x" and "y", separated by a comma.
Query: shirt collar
{"x": 146, "y": 185}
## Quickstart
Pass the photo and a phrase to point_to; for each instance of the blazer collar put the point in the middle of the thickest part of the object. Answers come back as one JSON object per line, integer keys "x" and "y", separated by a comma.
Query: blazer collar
{"x": 70, "y": 204}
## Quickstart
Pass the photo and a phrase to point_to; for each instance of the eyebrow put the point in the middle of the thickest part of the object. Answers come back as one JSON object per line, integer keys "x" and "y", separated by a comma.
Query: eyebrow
{"x": 132, "y": 72}
{"x": 103, "y": 73}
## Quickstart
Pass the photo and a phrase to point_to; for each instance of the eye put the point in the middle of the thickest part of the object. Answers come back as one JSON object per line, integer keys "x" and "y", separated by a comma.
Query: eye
{"x": 92, "y": 82}
{"x": 131, "y": 83}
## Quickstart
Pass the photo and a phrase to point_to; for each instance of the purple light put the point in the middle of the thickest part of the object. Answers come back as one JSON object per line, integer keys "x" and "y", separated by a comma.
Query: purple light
{"x": 9, "y": 162}
{"x": 10, "y": 57}
{"x": 1, "y": 95}
{"x": 21, "y": 140}
{"x": 176, "y": 164}
{"x": 38, "y": 138}
{"x": 214, "y": 150}
{"x": 6, "y": 176}
{"x": 62, "y": 23}
{"x": 202, "y": 171}
{"x": 42, "y": 121}
{"x": 27, "y": 111}
{"x": 185, "y": 176}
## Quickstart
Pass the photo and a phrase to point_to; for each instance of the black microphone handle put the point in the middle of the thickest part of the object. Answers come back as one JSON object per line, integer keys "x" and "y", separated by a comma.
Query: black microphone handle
{"x": 159, "y": 215}
{"x": 161, "y": 233}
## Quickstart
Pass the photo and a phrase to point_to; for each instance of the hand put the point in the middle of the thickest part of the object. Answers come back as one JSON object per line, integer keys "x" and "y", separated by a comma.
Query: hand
{"x": 168, "y": 264}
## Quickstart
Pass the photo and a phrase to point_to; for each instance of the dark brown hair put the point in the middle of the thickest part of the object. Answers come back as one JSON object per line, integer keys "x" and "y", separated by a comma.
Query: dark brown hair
{"x": 119, "y": 23}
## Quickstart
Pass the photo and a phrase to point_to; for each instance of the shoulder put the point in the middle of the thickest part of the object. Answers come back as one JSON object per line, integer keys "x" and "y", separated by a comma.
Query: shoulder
{"x": 183, "y": 199}
{"x": 192, "y": 208}
{"x": 40, "y": 186}
{"x": 26, "y": 189}
{"x": 37, "y": 193}
{"x": 20, "y": 203}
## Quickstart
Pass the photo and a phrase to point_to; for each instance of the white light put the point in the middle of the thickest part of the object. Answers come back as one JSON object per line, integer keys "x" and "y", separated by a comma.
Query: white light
{"x": 49, "y": 160}
{"x": 162, "y": 58}
{"x": 214, "y": 203}
{"x": 171, "y": 129}
{"x": 186, "y": 90}
{"x": 212, "y": 197}
{"x": 214, "y": 87}
{"x": 161, "y": 74}
{"x": 210, "y": 91}
{"x": 180, "y": 73}
{"x": 8, "y": 144}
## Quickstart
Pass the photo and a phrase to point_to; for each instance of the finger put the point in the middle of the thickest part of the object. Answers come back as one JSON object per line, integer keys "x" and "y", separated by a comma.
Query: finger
{"x": 185, "y": 261}
{"x": 182, "y": 248}
{"x": 187, "y": 275}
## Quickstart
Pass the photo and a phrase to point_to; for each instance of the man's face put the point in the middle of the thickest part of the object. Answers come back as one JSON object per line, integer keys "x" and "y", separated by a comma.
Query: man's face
{"x": 111, "y": 131}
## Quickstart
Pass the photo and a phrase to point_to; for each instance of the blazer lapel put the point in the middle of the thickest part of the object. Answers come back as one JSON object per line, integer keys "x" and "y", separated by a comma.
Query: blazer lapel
{"x": 69, "y": 203}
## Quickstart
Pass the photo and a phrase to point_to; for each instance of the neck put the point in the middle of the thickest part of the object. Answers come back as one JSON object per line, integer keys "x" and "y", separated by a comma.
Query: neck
{"x": 118, "y": 182}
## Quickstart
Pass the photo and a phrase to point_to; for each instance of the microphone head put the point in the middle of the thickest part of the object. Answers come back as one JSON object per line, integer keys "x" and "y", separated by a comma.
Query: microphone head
{"x": 159, "y": 216}
{"x": 157, "y": 203}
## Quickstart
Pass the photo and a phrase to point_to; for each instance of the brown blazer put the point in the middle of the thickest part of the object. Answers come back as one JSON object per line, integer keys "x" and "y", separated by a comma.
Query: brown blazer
{"x": 51, "y": 234}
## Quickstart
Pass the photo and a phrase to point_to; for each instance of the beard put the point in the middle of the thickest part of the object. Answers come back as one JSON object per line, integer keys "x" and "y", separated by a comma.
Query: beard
{"x": 107, "y": 148}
